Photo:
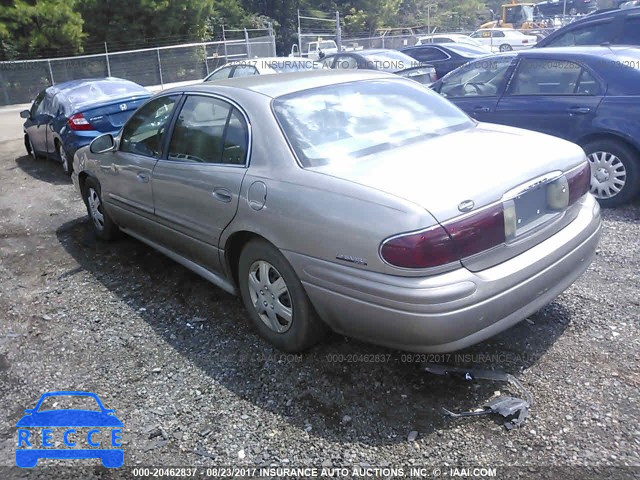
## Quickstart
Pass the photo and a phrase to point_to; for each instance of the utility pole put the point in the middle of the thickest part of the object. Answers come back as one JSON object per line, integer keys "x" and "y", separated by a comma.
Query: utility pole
{"x": 299, "y": 35}
{"x": 338, "y": 32}
{"x": 429, "y": 7}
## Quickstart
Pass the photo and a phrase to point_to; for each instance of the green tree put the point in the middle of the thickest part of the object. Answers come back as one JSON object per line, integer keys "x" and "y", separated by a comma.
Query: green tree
{"x": 40, "y": 28}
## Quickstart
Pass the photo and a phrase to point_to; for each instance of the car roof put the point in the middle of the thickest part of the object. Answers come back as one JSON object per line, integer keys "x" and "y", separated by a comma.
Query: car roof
{"x": 609, "y": 12}
{"x": 588, "y": 51}
{"x": 284, "y": 83}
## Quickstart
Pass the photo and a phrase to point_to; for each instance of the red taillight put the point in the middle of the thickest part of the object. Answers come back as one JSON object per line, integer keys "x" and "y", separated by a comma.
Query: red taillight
{"x": 438, "y": 246}
{"x": 78, "y": 122}
{"x": 579, "y": 180}
{"x": 525, "y": 41}
{"x": 429, "y": 248}
{"x": 478, "y": 232}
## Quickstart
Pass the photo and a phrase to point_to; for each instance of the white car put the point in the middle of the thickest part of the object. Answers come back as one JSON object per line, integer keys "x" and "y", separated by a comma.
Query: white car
{"x": 504, "y": 39}
{"x": 450, "y": 38}
{"x": 261, "y": 66}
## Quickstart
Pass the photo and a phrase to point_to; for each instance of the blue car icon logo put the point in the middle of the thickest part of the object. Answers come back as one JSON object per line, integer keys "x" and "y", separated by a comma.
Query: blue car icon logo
{"x": 73, "y": 427}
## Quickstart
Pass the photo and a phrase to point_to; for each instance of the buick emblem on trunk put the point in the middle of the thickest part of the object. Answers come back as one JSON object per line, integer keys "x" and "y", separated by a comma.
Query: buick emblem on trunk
{"x": 466, "y": 206}
{"x": 123, "y": 106}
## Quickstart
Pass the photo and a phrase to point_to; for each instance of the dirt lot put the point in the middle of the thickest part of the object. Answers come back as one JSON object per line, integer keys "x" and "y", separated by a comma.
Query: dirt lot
{"x": 193, "y": 384}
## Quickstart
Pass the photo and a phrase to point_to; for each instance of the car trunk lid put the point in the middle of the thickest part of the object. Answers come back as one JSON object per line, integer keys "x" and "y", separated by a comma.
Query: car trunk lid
{"x": 111, "y": 116}
{"x": 462, "y": 173}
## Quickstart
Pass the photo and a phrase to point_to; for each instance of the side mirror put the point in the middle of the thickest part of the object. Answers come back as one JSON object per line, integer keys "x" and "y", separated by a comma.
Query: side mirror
{"x": 25, "y": 114}
{"x": 103, "y": 143}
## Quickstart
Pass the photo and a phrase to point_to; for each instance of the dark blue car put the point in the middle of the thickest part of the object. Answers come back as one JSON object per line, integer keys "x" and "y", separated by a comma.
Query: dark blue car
{"x": 67, "y": 116}
{"x": 588, "y": 95}
{"x": 39, "y": 423}
{"x": 445, "y": 57}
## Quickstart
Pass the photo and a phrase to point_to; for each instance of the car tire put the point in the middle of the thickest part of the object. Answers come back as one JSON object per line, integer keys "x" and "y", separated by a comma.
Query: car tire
{"x": 103, "y": 226}
{"x": 505, "y": 47}
{"x": 611, "y": 160}
{"x": 278, "y": 306}
{"x": 67, "y": 163}
{"x": 29, "y": 147}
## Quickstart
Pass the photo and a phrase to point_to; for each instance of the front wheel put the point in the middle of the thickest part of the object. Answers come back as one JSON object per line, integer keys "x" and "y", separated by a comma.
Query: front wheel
{"x": 28, "y": 145}
{"x": 275, "y": 299}
{"x": 103, "y": 226}
{"x": 615, "y": 172}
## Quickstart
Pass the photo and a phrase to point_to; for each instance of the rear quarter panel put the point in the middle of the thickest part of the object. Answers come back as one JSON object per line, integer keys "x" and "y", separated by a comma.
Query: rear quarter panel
{"x": 620, "y": 116}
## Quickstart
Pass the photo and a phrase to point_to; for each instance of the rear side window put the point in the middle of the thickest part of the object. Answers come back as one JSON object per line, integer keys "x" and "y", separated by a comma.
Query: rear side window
{"x": 552, "y": 77}
{"x": 591, "y": 34}
{"x": 209, "y": 130}
{"x": 631, "y": 32}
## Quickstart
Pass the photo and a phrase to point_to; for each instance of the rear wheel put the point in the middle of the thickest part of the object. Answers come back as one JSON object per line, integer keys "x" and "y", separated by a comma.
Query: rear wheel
{"x": 275, "y": 299}
{"x": 615, "y": 171}
{"x": 505, "y": 47}
{"x": 66, "y": 162}
{"x": 103, "y": 226}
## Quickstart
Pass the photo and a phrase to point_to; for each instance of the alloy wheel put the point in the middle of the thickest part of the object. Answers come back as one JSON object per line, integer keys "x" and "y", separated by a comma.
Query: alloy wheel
{"x": 95, "y": 209}
{"x": 608, "y": 175}
{"x": 270, "y": 296}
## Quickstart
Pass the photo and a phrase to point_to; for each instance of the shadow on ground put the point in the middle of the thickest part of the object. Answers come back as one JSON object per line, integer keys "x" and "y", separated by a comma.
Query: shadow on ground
{"x": 340, "y": 377}
{"x": 43, "y": 169}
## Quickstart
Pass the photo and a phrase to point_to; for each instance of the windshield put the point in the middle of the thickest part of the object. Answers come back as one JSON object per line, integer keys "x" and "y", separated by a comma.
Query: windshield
{"x": 345, "y": 122}
{"x": 389, "y": 61}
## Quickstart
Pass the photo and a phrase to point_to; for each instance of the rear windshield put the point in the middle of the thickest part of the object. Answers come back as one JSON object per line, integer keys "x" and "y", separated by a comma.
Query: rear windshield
{"x": 340, "y": 123}
{"x": 467, "y": 50}
{"x": 389, "y": 61}
{"x": 102, "y": 91}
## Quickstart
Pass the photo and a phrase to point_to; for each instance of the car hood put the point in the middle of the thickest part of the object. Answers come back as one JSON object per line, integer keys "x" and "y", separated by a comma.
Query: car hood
{"x": 69, "y": 418}
{"x": 481, "y": 164}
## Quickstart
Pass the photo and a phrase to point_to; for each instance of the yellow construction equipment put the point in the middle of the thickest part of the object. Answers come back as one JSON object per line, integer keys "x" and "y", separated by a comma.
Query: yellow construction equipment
{"x": 515, "y": 15}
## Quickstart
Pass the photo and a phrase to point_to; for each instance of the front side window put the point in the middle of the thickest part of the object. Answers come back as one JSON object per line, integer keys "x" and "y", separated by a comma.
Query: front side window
{"x": 209, "y": 130}
{"x": 349, "y": 121}
{"x": 36, "y": 108}
{"x": 144, "y": 131}
{"x": 551, "y": 77}
{"x": 482, "y": 78}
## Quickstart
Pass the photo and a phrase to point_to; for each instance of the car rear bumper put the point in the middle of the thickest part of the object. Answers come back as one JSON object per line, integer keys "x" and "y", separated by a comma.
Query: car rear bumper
{"x": 456, "y": 309}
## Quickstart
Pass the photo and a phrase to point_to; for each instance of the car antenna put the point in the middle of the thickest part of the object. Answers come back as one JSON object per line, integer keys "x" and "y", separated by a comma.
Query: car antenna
{"x": 514, "y": 410}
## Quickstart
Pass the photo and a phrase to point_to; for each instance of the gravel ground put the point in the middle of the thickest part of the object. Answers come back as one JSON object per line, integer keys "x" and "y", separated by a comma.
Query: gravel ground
{"x": 193, "y": 385}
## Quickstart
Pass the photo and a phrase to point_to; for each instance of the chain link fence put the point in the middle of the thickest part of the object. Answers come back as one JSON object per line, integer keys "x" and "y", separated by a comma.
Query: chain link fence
{"x": 20, "y": 81}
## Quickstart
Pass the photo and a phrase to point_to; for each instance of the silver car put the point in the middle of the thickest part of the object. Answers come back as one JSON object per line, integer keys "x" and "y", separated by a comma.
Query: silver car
{"x": 354, "y": 201}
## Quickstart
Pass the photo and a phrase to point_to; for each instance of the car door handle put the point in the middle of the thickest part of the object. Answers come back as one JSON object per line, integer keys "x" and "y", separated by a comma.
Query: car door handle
{"x": 222, "y": 195}
{"x": 481, "y": 109}
{"x": 142, "y": 177}
{"x": 578, "y": 110}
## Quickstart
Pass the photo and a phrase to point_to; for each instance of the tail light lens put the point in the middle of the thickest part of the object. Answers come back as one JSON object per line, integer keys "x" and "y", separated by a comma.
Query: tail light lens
{"x": 78, "y": 122}
{"x": 429, "y": 248}
{"x": 525, "y": 41}
{"x": 579, "y": 180}
{"x": 454, "y": 240}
